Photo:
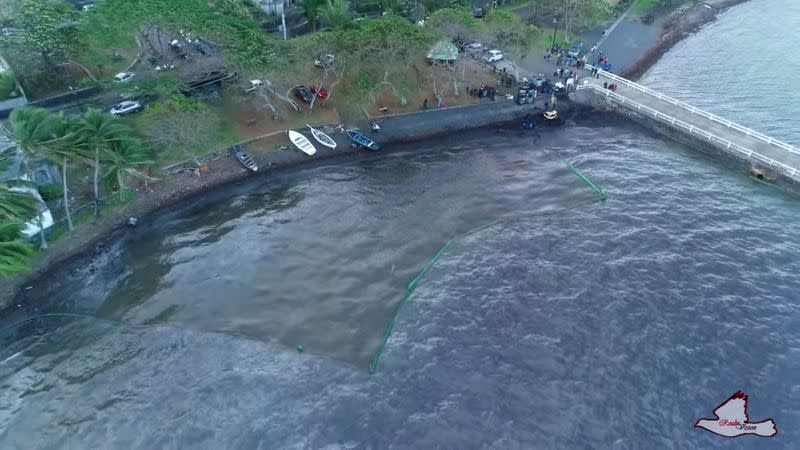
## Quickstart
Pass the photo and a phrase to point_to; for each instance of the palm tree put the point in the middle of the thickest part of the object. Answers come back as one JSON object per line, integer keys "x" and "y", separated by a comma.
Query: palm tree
{"x": 68, "y": 144}
{"x": 14, "y": 252}
{"x": 335, "y": 13}
{"x": 100, "y": 131}
{"x": 311, "y": 8}
{"x": 126, "y": 158}
{"x": 15, "y": 205}
{"x": 32, "y": 129}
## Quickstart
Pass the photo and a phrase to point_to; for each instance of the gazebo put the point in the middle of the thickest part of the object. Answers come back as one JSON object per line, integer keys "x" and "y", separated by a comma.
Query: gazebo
{"x": 443, "y": 51}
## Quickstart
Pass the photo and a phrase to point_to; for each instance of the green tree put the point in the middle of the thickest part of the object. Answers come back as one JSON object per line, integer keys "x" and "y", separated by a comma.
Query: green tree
{"x": 126, "y": 158}
{"x": 578, "y": 12}
{"x": 14, "y": 252}
{"x": 312, "y": 9}
{"x": 15, "y": 205}
{"x": 46, "y": 26}
{"x": 505, "y": 30}
{"x": 335, "y": 13}
{"x": 235, "y": 8}
{"x": 32, "y": 129}
{"x": 454, "y": 22}
{"x": 8, "y": 86}
{"x": 67, "y": 146}
{"x": 15, "y": 208}
{"x": 99, "y": 132}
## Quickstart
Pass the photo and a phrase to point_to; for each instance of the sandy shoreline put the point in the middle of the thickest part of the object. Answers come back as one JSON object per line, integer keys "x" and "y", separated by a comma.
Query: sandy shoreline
{"x": 224, "y": 169}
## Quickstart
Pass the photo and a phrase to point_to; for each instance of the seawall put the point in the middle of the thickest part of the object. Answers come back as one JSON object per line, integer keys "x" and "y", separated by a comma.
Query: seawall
{"x": 225, "y": 169}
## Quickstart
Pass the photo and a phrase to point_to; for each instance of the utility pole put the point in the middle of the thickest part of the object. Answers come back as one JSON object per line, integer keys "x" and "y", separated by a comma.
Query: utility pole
{"x": 555, "y": 30}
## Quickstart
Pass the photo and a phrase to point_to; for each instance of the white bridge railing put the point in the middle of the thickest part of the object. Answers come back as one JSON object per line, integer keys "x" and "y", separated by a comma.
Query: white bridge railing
{"x": 699, "y": 112}
{"x": 791, "y": 172}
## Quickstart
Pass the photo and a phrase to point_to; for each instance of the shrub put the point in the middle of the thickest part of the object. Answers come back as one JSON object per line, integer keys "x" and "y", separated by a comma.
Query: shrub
{"x": 8, "y": 87}
{"x": 51, "y": 191}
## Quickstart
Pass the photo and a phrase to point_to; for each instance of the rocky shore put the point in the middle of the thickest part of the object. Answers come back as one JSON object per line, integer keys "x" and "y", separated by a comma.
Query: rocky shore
{"x": 680, "y": 24}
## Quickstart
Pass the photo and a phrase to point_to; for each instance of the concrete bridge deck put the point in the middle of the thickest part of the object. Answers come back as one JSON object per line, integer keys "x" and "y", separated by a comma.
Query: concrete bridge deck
{"x": 724, "y": 134}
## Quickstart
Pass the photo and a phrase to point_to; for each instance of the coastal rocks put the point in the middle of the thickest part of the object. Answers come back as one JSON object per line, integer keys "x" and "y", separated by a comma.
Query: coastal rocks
{"x": 682, "y": 23}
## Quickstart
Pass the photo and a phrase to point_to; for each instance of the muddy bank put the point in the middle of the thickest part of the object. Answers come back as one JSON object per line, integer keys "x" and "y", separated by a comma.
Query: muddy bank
{"x": 225, "y": 169}
{"x": 680, "y": 24}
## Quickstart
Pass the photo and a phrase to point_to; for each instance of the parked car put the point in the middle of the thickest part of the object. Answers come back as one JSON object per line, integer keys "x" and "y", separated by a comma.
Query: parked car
{"x": 493, "y": 56}
{"x": 475, "y": 47}
{"x": 123, "y": 77}
{"x": 126, "y": 107}
{"x": 478, "y": 13}
{"x": 302, "y": 93}
{"x": 575, "y": 50}
{"x": 324, "y": 61}
{"x": 322, "y": 93}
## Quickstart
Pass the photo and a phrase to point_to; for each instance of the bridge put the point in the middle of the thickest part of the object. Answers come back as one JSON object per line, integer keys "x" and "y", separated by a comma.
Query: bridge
{"x": 724, "y": 135}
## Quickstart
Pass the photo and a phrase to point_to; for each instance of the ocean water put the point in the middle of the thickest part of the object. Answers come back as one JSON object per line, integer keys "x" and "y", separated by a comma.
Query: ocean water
{"x": 570, "y": 322}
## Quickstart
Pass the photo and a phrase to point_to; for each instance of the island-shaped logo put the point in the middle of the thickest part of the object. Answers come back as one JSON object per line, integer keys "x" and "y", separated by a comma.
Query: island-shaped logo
{"x": 732, "y": 420}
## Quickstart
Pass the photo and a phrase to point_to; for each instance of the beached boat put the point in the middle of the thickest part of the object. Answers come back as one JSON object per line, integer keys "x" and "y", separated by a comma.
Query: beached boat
{"x": 321, "y": 137}
{"x": 362, "y": 141}
{"x": 302, "y": 143}
{"x": 244, "y": 158}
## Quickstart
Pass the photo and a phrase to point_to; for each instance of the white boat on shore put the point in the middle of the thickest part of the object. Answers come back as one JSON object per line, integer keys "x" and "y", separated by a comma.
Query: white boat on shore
{"x": 321, "y": 137}
{"x": 302, "y": 143}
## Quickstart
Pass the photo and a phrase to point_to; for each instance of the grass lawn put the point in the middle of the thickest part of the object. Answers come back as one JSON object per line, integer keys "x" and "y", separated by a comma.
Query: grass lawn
{"x": 645, "y": 5}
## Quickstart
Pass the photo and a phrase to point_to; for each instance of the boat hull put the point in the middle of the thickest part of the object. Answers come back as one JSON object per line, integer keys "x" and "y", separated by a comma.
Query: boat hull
{"x": 322, "y": 137}
{"x": 362, "y": 141}
{"x": 302, "y": 143}
{"x": 244, "y": 158}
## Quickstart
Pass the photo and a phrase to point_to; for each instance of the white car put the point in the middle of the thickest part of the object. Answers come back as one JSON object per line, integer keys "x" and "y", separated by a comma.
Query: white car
{"x": 126, "y": 107}
{"x": 123, "y": 77}
{"x": 474, "y": 47}
{"x": 324, "y": 61}
{"x": 493, "y": 56}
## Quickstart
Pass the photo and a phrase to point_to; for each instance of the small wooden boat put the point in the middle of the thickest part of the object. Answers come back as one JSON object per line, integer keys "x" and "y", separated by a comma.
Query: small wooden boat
{"x": 244, "y": 158}
{"x": 302, "y": 143}
{"x": 362, "y": 141}
{"x": 321, "y": 137}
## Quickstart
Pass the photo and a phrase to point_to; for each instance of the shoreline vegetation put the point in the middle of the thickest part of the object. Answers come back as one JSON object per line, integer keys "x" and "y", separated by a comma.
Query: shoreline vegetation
{"x": 379, "y": 86}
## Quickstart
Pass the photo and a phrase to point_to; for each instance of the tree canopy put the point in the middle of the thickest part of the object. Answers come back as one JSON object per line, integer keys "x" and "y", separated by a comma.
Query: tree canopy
{"x": 46, "y": 26}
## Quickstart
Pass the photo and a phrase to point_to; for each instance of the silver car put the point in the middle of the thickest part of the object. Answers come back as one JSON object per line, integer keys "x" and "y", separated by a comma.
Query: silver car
{"x": 123, "y": 77}
{"x": 126, "y": 107}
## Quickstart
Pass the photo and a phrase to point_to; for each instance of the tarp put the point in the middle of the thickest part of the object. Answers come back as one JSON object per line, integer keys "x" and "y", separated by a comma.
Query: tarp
{"x": 443, "y": 51}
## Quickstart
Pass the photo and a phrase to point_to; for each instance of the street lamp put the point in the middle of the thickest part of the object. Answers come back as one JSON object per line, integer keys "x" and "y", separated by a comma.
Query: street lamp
{"x": 555, "y": 30}
{"x": 74, "y": 95}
